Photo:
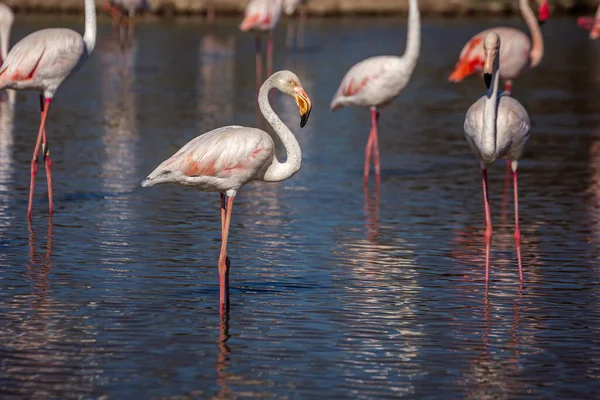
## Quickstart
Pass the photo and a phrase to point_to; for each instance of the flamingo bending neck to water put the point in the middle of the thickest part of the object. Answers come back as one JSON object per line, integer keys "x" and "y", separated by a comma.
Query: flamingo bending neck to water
{"x": 518, "y": 52}
{"x": 41, "y": 61}
{"x": 225, "y": 159}
{"x": 591, "y": 24}
{"x": 376, "y": 81}
{"x": 496, "y": 126}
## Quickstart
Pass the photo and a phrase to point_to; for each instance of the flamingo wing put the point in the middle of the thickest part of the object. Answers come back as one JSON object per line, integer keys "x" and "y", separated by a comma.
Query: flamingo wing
{"x": 261, "y": 14}
{"x": 48, "y": 53}
{"x": 361, "y": 77}
{"x": 221, "y": 153}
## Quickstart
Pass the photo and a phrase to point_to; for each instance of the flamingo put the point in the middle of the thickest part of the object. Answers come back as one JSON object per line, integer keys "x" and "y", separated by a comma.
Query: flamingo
{"x": 41, "y": 61}
{"x": 262, "y": 16}
{"x": 123, "y": 11}
{"x": 225, "y": 159}
{"x": 496, "y": 126}
{"x": 6, "y": 20}
{"x": 591, "y": 24}
{"x": 376, "y": 81}
{"x": 289, "y": 7}
{"x": 518, "y": 52}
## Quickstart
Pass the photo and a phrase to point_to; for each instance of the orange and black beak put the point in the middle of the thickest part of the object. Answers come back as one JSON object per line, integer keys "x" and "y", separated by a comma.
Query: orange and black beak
{"x": 304, "y": 104}
{"x": 488, "y": 66}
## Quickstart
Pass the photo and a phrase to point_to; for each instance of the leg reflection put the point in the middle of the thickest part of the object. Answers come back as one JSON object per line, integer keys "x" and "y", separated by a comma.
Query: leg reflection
{"x": 223, "y": 358}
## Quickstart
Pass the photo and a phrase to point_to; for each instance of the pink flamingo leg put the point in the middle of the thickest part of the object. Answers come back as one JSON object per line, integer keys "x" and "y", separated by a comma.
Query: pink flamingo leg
{"x": 488, "y": 223}
{"x": 508, "y": 173}
{"x": 258, "y": 63}
{"x": 224, "y": 263}
{"x": 517, "y": 231}
{"x": 46, "y": 154}
{"x": 34, "y": 167}
{"x": 368, "y": 149}
{"x": 270, "y": 55}
{"x": 289, "y": 37}
{"x": 374, "y": 119}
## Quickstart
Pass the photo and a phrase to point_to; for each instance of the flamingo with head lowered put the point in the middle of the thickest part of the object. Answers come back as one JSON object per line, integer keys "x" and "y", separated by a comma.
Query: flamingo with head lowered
{"x": 377, "y": 81}
{"x": 496, "y": 126}
{"x": 225, "y": 159}
{"x": 518, "y": 52}
{"x": 592, "y": 24}
{"x": 42, "y": 61}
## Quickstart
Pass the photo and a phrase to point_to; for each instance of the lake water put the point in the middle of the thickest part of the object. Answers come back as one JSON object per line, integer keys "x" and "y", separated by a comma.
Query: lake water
{"x": 335, "y": 294}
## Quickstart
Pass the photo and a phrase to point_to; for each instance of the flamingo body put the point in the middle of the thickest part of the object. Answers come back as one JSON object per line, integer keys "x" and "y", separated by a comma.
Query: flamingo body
{"x": 222, "y": 160}
{"x": 43, "y": 60}
{"x": 512, "y": 130}
{"x": 373, "y": 82}
{"x": 514, "y": 54}
{"x": 129, "y": 7}
{"x": 261, "y": 15}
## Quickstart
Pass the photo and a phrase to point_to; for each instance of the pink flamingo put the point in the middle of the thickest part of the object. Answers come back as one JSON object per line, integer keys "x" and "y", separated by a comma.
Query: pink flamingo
{"x": 225, "y": 159}
{"x": 289, "y": 7}
{"x": 518, "y": 52}
{"x": 42, "y": 61}
{"x": 262, "y": 16}
{"x": 6, "y": 20}
{"x": 591, "y": 24}
{"x": 376, "y": 81}
{"x": 496, "y": 126}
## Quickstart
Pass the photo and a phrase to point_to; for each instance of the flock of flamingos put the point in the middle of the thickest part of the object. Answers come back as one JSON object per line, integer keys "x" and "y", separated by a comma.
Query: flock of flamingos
{"x": 225, "y": 159}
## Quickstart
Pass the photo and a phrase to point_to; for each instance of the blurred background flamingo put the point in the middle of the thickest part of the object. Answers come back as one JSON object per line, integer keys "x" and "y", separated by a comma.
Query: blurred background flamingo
{"x": 42, "y": 61}
{"x": 289, "y": 7}
{"x": 261, "y": 16}
{"x": 6, "y": 20}
{"x": 592, "y": 24}
{"x": 376, "y": 81}
{"x": 518, "y": 52}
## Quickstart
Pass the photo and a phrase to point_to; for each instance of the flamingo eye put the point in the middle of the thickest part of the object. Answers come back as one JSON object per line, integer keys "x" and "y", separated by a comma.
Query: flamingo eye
{"x": 165, "y": 172}
{"x": 293, "y": 84}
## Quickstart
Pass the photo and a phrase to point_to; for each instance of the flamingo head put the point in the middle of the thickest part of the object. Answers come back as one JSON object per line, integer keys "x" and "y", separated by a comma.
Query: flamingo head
{"x": 491, "y": 45}
{"x": 288, "y": 83}
{"x": 543, "y": 11}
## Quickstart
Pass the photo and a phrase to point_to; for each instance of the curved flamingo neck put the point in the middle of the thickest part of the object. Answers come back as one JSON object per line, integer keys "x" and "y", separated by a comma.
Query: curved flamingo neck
{"x": 490, "y": 111}
{"x": 278, "y": 171}
{"x": 413, "y": 41}
{"x": 537, "y": 40}
{"x": 89, "y": 37}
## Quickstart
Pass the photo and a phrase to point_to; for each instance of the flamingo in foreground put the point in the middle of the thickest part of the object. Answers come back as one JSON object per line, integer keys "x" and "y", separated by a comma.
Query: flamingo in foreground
{"x": 289, "y": 7}
{"x": 591, "y": 24}
{"x": 41, "y": 61}
{"x": 262, "y": 16}
{"x": 496, "y": 126}
{"x": 518, "y": 53}
{"x": 376, "y": 81}
{"x": 225, "y": 159}
{"x": 6, "y": 20}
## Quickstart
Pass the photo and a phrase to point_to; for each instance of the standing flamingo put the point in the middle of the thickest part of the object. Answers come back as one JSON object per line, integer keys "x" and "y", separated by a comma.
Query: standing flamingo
{"x": 376, "y": 81}
{"x": 225, "y": 159}
{"x": 518, "y": 52}
{"x": 496, "y": 126}
{"x": 289, "y": 7}
{"x": 591, "y": 24}
{"x": 6, "y": 20}
{"x": 42, "y": 61}
{"x": 123, "y": 12}
{"x": 262, "y": 16}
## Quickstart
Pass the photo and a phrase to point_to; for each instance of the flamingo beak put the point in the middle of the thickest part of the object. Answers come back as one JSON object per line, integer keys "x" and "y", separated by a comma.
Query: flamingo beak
{"x": 304, "y": 104}
{"x": 488, "y": 66}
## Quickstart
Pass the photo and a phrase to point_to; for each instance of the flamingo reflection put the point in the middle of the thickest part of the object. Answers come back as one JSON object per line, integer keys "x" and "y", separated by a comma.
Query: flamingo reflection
{"x": 223, "y": 358}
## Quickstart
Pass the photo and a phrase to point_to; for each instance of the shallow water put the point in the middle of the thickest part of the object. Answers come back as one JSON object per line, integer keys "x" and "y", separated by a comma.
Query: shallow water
{"x": 335, "y": 294}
